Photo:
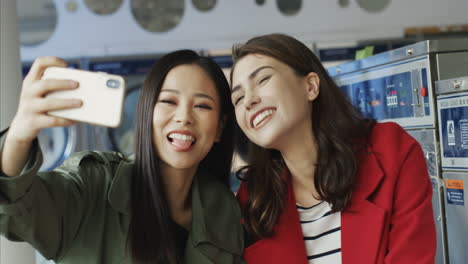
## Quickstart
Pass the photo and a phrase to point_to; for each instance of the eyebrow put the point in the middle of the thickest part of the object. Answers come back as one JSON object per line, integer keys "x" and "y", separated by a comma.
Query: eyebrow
{"x": 251, "y": 76}
{"x": 202, "y": 95}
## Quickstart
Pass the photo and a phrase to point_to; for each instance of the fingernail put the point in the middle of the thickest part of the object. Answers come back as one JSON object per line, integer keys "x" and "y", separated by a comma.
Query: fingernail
{"x": 77, "y": 102}
{"x": 73, "y": 84}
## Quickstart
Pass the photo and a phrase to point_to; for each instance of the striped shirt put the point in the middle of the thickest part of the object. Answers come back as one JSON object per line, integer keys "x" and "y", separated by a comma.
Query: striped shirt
{"x": 321, "y": 230}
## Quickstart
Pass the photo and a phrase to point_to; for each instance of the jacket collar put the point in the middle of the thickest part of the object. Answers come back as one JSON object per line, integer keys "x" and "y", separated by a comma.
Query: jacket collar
{"x": 216, "y": 215}
{"x": 369, "y": 177}
{"x": 362, "y": 222}
{"x": 215, "y": 211}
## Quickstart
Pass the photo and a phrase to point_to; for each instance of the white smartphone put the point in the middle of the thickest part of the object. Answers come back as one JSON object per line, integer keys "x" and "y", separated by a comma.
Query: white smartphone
{"x": 102, "y": 95}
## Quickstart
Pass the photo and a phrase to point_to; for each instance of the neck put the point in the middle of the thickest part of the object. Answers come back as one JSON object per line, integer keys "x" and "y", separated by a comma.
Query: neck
{"x": 177, "y": 187}
{"x": 300, "y": 155}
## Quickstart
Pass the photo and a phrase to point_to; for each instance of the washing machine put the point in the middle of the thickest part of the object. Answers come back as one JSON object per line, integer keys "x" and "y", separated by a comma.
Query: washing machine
{"x": 398, "y": 85}
{"x": 452, "y": 103}
{"x": 456, "y": 211}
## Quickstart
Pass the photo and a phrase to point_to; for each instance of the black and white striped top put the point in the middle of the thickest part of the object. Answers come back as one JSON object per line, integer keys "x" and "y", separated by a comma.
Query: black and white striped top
{"x": 322, "y": 233}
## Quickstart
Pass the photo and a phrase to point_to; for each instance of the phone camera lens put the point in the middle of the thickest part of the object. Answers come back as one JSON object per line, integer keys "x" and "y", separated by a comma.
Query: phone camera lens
{"x": 113, "y": 83}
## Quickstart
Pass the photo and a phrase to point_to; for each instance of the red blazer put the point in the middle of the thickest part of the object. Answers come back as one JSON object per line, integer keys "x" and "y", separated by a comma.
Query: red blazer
{"x": 389, "y": 218}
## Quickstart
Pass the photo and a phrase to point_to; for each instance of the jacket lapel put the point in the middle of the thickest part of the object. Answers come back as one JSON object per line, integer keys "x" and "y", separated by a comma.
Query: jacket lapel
{"x": 287, "y": 244}
{"x": 216, "y": 217}
{"x": 362, "y": 222}
{"x": 288, "y": 229}
{"x": 119, "y": 191}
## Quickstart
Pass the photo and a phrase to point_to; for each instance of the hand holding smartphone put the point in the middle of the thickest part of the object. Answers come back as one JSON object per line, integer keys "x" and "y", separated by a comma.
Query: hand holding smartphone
{"x": 102, "y": 95}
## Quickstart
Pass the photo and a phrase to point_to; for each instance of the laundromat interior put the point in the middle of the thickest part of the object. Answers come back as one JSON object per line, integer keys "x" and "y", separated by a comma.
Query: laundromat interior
{"x": 399, "y": 61}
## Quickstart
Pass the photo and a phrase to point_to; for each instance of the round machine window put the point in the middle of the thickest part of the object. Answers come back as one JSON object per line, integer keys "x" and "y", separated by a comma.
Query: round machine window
{"x": 103, "y": 7}
{"x": 373, "y": 5}
{"x": 57, "y": 144}
{"x": 158, "y": 15}
{"x": 121, "y": 137}
{"x": 343, "y": 3}
{"x": 289, "y": 7}
{"x": 204, "y": 5}
{"x": 260, "y": 2}
{"x": 37, "y": 21}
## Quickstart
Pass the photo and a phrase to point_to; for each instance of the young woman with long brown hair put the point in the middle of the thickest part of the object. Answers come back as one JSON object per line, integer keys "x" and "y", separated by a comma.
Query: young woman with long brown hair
{"x": 172, "y": 204}
{"x": 323, "y": 184}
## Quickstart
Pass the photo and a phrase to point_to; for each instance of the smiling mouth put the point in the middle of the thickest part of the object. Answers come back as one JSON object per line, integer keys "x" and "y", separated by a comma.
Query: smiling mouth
{"x": 181, "y": 142}
{"x": 262, "y": 117}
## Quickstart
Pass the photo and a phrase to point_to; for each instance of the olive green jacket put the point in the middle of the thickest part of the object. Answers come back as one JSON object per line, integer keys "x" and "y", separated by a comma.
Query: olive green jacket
{"x": 79, "y": 213}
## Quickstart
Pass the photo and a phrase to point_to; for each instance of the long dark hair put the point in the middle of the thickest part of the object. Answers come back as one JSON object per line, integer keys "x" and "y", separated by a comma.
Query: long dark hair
{"x": 337, "y": 127}
{"x": 151, "y": 238}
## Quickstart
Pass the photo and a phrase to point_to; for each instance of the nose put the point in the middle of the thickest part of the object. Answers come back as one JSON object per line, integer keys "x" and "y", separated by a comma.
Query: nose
{"x": 183, "y": 115}
{"x": 251, "y": 100}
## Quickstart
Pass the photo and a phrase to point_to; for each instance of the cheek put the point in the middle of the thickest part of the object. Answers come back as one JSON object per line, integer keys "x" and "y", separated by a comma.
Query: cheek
{"x": 208, "y": 122}
{"x": 240, "y": 118}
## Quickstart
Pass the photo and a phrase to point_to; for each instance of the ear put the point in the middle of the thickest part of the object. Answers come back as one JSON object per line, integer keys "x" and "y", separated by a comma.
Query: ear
{"x": 312, "y": 85}
{"x": 219, "y": 133}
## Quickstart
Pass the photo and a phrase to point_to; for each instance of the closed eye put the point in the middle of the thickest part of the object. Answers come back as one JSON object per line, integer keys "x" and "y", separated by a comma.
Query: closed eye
{"x": 264, "y": 80}
{"x": 166, "y": 101}
{"x": 238, "y": 100}
{"x": 204, "y": 106}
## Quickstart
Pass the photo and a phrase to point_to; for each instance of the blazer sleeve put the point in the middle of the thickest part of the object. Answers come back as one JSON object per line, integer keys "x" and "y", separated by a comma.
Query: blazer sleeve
{"x": 47, "y": 209}
{"x": 412, "y": 237}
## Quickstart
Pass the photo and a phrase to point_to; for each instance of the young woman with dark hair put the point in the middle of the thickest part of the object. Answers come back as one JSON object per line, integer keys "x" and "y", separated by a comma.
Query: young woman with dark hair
{"x": 323, "y": 184}
{"x": 172, "y": 204}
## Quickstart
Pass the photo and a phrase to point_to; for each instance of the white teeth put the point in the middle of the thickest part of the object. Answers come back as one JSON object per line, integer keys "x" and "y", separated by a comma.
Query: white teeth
{"x": 259, "y": 118}
{"x": 181, "y": 137}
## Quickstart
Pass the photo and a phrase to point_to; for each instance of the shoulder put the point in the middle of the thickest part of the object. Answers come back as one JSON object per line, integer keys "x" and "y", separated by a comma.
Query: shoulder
{"x": 216, "y": 197}
{"x": 393, "y": 149}
{"x": 213, "y": 188}
{"x": 98, "y": 157}
{"x": 85, "y": 166}
{"x": 390, "y": 138}
{"x": 389, "y": 131}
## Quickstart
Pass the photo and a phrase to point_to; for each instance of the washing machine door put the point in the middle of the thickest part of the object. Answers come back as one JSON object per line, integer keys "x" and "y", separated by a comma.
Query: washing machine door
{"x": 57, "y": 144}
{"x": 122, "y": 137}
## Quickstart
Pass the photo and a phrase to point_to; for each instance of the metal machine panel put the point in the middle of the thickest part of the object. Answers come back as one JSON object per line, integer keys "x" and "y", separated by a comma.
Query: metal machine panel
{"x": 400, "y": 92}
{"x": 457, "y": 216}
{"x": 407, "y": 52}
{"x": 427, "y": 139}
{"x": 439, "y": 219}
{"x": 452, "y": 85}
{"x": 452, "y": 65}
{"x": 453, "y": 130}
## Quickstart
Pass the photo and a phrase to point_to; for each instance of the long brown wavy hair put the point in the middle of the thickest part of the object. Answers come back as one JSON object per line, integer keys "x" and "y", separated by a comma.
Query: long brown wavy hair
{"x": 339, "y": 128}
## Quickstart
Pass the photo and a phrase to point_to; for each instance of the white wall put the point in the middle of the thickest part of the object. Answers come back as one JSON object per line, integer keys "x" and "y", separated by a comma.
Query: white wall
{"x": 85, "y": 34}
{"x": 17, "y": 253}
{"x": 10, "y": 63}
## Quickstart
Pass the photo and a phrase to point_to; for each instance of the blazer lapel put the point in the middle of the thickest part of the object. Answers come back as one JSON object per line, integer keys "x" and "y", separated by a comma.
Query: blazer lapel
{"x": 362, "y": 222}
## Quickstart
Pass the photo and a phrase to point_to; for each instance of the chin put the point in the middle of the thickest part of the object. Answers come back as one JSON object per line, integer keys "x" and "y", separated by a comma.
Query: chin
{"x": 181, "y": 164}
{"x": 265, "y": 142}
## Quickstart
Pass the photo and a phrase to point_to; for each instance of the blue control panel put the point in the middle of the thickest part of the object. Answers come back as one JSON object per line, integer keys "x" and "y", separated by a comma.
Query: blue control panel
{"x": 399, "y": 92}
{"x": 453, "y": 130}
